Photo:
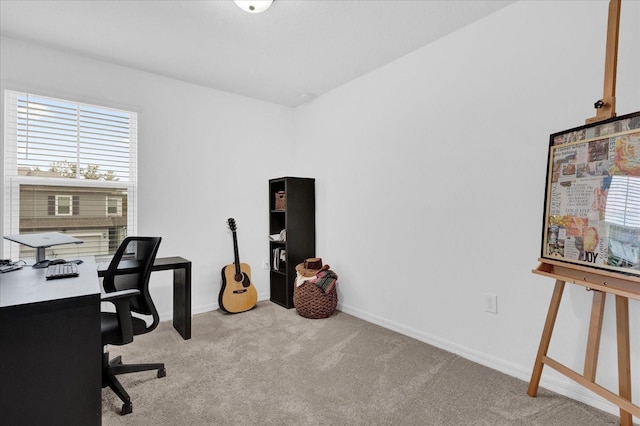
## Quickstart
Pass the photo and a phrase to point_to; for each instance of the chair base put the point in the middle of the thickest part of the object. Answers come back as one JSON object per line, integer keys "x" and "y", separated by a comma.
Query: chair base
{"x": 110, "y": 369}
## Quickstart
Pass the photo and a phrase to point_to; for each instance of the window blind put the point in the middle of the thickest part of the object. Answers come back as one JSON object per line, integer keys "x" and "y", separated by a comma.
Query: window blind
{"x": 623, "y": 201}
{"x": 62, "y": 139}
{"x": 71, "y": 168}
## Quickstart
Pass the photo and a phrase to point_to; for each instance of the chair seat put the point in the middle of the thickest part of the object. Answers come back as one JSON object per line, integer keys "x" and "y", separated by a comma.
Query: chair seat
{"x": 111, "y": 334}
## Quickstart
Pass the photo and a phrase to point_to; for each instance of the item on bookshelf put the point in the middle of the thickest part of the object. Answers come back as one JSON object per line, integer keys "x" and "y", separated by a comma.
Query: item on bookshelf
{"x": 279, "y": 258}
{"x": 592, "y": 211}
{"x": 281, "y": 200}
{"x": 281, "y": 236}
{"x": 237, "y": 293}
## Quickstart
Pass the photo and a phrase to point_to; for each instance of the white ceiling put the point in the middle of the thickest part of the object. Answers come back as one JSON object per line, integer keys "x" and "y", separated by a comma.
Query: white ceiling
{"x": 294, "y": 48}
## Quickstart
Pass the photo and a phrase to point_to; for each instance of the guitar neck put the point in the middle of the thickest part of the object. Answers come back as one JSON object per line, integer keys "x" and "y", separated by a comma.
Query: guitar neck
{"x": 236, "y": 255}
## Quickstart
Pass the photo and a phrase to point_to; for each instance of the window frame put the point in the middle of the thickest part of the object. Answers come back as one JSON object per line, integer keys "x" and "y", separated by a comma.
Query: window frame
{"x": 118, "y": 201}
{"x": 57, "y": 205}
{"x": 11, "y": 180}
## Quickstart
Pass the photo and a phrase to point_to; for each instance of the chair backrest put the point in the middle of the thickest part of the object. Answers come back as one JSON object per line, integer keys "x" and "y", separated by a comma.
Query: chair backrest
{"x": 130, "y": 268}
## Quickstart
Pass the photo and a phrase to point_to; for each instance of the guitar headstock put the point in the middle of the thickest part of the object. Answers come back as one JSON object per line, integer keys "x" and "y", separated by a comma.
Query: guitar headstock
{"x": 232, "y": 223}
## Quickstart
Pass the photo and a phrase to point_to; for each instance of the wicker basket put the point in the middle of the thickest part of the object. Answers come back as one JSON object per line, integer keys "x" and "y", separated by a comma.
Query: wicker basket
{"x": 311, "y": 302}
{"x": 281, "y": 200}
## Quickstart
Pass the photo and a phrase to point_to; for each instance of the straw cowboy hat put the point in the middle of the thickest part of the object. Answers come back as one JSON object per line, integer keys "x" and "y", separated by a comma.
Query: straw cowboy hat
{"x": 311, "y": 267}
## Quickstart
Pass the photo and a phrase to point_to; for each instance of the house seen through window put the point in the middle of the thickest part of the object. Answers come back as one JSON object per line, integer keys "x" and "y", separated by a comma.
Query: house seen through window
{"x": 69, "y": 168}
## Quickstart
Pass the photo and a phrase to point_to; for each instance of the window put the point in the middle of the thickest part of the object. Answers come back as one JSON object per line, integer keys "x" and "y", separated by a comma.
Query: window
{"x": 114, "y": 206}
{"x": 63, "y": 205}
{"x": 70, "y": 168}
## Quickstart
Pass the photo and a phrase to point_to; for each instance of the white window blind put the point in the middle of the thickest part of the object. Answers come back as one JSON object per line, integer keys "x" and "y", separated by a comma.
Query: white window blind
{"x": 622, "y": 213}
{"x": 623, "y": 201}
{"x": 65, "y": 163}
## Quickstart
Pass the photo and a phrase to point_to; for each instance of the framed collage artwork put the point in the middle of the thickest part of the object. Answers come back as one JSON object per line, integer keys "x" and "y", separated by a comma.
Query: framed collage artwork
{"x": 592, "y": 196}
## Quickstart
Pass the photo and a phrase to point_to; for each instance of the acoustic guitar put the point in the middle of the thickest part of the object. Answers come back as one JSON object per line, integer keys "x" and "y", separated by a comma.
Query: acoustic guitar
{"x": 237, "y": 293}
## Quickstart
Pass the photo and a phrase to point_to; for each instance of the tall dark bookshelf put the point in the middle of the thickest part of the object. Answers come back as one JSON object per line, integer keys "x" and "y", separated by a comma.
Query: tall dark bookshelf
{"x": 298, "y": 219}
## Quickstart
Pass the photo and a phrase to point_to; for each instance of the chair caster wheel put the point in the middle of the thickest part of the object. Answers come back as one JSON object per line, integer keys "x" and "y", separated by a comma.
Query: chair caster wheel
{"x": 127, "y": 408}
{"x": 162, "y": 373}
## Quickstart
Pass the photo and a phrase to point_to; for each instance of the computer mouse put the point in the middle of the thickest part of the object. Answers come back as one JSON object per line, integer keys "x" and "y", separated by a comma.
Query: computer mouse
{"x": 57, "y": 261}
{"x": 77, "y": 262}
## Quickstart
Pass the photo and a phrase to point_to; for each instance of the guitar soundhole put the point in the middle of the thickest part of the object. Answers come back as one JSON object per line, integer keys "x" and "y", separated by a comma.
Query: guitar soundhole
{"x": 242, "y": 278}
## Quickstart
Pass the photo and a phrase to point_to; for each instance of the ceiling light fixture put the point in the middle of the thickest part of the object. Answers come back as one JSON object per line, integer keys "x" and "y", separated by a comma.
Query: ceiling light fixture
{"x": 306, "y": 97}
{"x": 253, "y": 6}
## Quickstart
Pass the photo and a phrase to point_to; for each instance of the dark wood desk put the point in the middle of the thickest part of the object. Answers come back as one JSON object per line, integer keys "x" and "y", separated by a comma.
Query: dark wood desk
{"x": 50, "y": 348}
{"x": 181, "y": 290}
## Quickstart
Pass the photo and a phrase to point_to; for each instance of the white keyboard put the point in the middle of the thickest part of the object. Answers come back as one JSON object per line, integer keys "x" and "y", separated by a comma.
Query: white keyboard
{"x": 62, "y": 270}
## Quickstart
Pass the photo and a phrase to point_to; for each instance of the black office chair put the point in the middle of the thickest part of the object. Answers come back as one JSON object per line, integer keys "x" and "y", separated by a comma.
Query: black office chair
{"x": 126, "y": 284}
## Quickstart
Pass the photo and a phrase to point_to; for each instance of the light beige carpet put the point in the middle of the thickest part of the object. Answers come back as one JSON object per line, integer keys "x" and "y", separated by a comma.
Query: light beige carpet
{"x": 269, "y": 366}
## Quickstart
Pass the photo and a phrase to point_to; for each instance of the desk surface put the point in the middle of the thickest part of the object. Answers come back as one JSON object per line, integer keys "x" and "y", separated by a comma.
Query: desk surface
{"x": 160, "y": 264}
{"x": 29, "y": 285}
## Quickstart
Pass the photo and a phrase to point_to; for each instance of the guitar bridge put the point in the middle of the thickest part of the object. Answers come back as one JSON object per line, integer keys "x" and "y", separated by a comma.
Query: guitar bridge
{"x": 244, "y": 290}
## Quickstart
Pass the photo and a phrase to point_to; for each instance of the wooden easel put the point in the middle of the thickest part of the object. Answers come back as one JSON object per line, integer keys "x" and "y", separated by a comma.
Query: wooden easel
{"x": 606, "y": 107}
{"x": 624, "y": 287}
{"x": 601, "y": 283}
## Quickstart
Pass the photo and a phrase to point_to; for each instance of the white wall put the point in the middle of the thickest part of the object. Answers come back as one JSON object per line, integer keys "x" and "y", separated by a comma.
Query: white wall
{"x": 430, "y": 176}
{"x": 430, "y": 184}
{"x": 204, "y": 156}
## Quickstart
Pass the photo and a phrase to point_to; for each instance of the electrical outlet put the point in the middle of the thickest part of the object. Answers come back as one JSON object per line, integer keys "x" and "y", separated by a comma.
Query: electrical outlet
{"x": 265, "y": 264}
{"x": 491, "y": 303}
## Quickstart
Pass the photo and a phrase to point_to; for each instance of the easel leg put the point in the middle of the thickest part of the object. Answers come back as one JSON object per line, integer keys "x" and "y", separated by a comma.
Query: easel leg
{"x": 624, "y": 356}
{"x": 593, "y": 340}
{"x": 546, "y": 338}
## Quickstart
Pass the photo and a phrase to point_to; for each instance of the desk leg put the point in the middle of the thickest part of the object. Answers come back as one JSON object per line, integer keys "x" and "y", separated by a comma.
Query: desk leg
{"x": 546, "y": 338}
{"x": 182, "y": 301}
{"x": 624, "y": 356}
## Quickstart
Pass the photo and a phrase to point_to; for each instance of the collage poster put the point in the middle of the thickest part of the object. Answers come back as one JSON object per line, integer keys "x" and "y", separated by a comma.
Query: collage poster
{"x": 592, "y": 214}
